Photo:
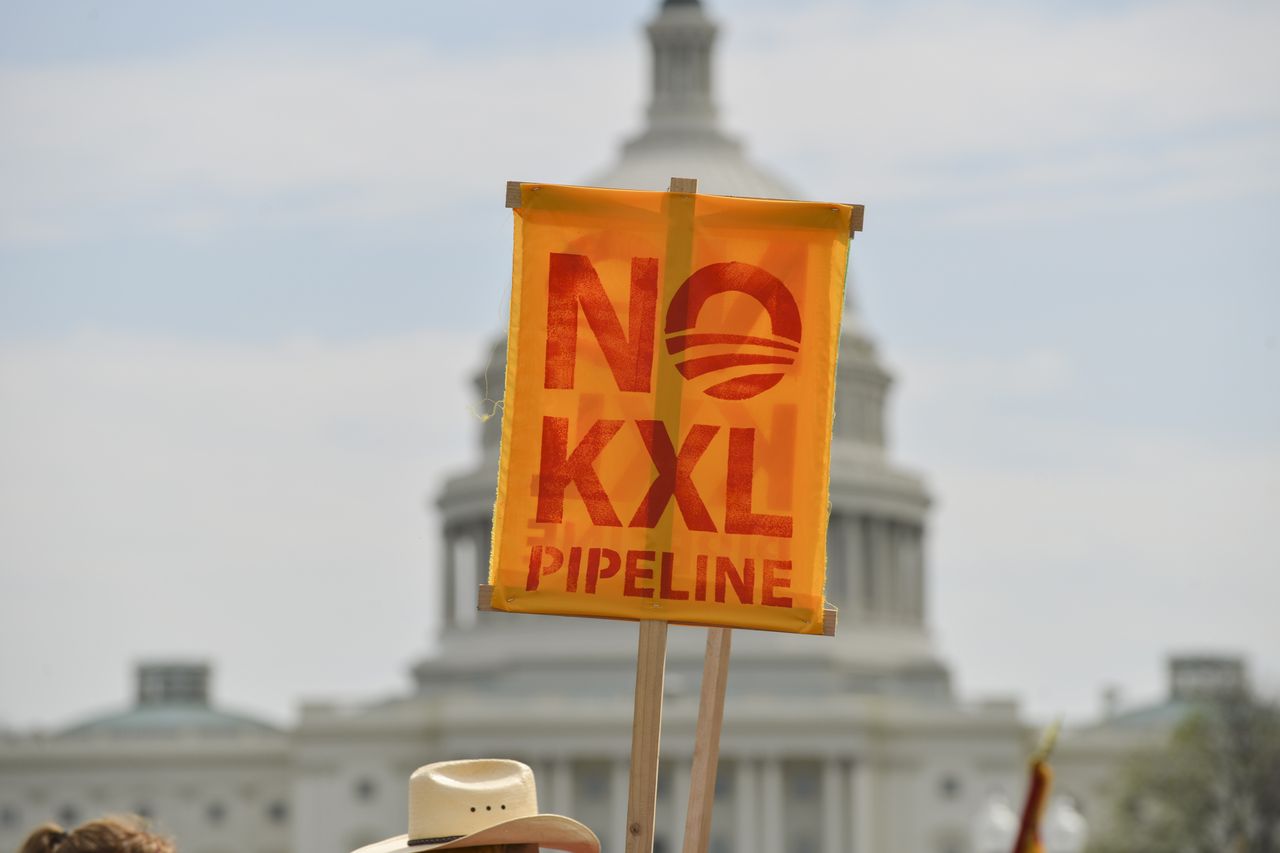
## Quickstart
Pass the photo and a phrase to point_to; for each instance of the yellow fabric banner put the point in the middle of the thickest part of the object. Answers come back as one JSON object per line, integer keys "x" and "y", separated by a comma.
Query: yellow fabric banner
{"x": 666, "y": 428}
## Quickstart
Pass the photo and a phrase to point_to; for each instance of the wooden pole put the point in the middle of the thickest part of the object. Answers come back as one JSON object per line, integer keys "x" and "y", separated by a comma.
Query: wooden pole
{"x": 646, "y": 736}
{"x": 706, "y": 739}
{"x": 651, "y": 659}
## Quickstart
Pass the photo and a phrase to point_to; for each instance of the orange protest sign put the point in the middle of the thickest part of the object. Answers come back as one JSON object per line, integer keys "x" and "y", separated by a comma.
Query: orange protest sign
{"x": 667, "y": 421}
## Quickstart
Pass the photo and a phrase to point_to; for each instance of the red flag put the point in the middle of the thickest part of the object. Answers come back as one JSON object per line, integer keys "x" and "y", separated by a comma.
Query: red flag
{"x": 1028, "y": 839}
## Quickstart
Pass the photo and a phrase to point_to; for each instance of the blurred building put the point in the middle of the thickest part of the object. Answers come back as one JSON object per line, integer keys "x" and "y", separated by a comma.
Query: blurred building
{"x": 219, "y": 781}
{"x": 852, "y": 743}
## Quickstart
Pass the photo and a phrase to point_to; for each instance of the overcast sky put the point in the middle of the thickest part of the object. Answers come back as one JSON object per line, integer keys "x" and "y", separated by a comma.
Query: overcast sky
{"x": 250, "y": 253}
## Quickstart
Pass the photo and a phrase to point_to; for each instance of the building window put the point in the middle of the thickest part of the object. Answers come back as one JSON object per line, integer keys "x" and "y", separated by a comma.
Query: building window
{"x": 9, "y": 817}
{"x": 68, "y": 815}
{"x": 216, "y": 813}
{"x": 949, "y": 786}
{"x": 144, "y": 811}
{"x": 278, "y": 811}
{"x": 806, "y": 844}
{"x": 366, "y": 789}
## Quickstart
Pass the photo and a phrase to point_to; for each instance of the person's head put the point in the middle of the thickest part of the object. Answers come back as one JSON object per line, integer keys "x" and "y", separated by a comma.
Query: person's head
{"x": 125, "y": 834}
{"x": 481, "y": 805}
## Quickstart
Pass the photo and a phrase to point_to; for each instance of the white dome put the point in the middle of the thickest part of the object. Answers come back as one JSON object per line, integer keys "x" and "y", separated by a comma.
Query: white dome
{"x": 996, "y": 825}
{"x": 681, "y": 138}
{"x": 721, "y": 169}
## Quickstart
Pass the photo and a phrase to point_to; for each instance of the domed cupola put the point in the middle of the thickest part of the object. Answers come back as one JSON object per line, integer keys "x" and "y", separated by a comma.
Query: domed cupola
{"x": 876, "y": 568}
{"x": 682, "y": 136}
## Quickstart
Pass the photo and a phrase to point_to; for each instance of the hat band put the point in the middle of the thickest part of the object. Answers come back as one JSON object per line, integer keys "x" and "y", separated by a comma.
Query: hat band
{"x": 440, "y": 839}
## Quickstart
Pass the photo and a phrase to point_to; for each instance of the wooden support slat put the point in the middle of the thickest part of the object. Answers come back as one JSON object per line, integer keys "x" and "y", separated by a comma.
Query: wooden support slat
{"x": 513, "y": 193}
{"x": 706, "y": 740}
{"x": 646, "y": 736}
{"x": 683, "y": 185}
{"x": 855, "y": 220}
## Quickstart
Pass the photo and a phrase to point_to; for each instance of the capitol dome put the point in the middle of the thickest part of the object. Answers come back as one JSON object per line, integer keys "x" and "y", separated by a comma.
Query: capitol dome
{"x": 682, "y": 137}
{"x": 876, "y": 535}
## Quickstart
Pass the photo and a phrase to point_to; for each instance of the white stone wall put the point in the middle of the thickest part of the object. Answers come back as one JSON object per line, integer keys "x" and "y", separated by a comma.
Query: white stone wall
{"x": 840, "y": 775}
{"x": 228, "y": 796}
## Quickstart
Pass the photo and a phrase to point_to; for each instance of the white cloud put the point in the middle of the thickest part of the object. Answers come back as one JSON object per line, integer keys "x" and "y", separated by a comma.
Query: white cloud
{"x": 994, "y": 109}
{"x": 1096, "y": 570}
{"x": 256, "y": 134}
{"x": 278, "y": 489}
{"x": 1017, "y": 107}
{"x": 264, "y": 504}
{"x": 942, "y": 383}
{"x": 1070, "y": 552}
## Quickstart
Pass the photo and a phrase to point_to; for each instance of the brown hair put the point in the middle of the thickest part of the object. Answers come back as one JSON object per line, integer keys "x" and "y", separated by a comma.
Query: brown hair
{"x": 123, "y": 834}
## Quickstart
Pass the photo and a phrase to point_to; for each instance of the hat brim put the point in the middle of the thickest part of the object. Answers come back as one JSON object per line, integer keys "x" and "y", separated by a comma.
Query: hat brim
{"x": 545, "y": 830}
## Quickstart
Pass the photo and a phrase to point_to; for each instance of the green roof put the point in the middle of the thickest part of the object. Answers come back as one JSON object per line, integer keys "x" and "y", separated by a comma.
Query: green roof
{"x": 169, "y": 719}
{"x": 1168, "y": 714}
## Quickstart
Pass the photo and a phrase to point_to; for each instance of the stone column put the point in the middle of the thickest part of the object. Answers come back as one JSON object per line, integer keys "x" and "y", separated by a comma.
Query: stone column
{"x": 681, "y": 773}
{"x": 449, "y": 578}
{"x": 909, "y": 567}
{"x": 833, "y": 811}
{"x": 921, "y": 588}
{"x": 772, "y": 831}
{"x": 898, "y": 571}
{"x": 561, "y": 786}
{"x": 465, "y": 559}
{"x": 891, "y": 572}
{"x": 747, "y": 832}
{"x": 862, "y": 814}
{"x": 484, "y": 545}
{"x": 856, "y": 566}
{"x": 542, "y": 770}
{"x": 881, "y": 569}
{"x": 619, "y": 789}
{"x": 838, "y": 574}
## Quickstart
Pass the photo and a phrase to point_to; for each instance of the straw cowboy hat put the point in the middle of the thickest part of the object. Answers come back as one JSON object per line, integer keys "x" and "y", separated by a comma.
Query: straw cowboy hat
{"x": 476, "y": 803}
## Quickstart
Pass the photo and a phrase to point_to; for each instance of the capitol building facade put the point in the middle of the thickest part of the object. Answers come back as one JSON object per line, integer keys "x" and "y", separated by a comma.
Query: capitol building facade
{"x": 847, "y": 744}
